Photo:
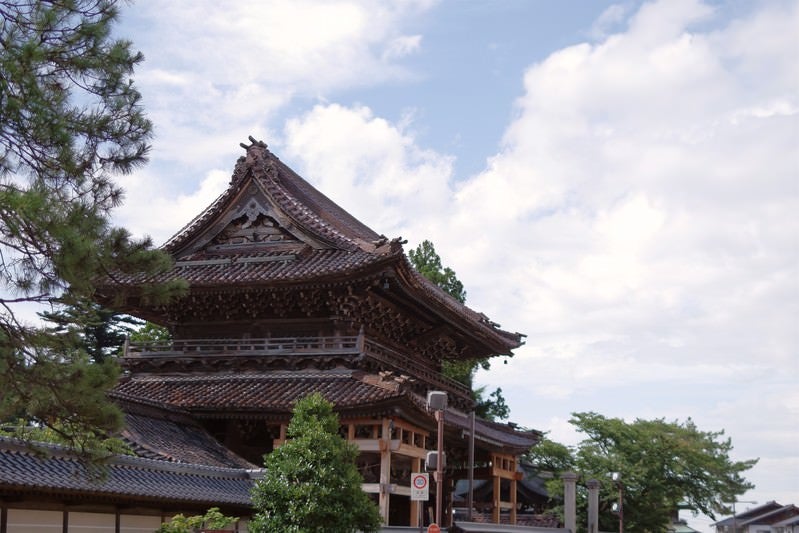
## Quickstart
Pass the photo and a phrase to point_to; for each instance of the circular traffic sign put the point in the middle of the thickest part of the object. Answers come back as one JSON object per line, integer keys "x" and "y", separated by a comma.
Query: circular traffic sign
{"x": 433, "y": 528}
{"x": 420, "y": 482}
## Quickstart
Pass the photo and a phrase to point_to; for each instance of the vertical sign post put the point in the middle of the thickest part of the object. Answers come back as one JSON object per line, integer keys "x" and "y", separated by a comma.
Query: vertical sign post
{"x": 420, "y": 491}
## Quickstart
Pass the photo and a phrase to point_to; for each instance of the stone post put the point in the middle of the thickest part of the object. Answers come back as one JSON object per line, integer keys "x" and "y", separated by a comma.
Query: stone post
{"x": 569, "y": 500}
{"x": 593, "y": 505}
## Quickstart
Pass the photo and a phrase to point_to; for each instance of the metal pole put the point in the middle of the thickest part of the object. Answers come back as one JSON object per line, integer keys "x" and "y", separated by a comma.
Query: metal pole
{"x": 734, "y": 519}
{"x": 440, "y": 467}
{"x": 616, "y": 477}
{"x": 470, "y": 500}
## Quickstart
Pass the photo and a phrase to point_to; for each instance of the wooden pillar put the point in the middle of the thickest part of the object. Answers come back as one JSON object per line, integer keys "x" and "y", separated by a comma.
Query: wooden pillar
{"x": 513, "y": 501}
{"x": 385, "y": 469}
{"x": 497, "y": 497}
{"x": 416, "y": 466}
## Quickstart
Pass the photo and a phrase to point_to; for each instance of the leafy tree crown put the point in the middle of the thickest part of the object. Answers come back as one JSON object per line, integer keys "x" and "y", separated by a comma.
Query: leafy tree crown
{"x": 663, "y": 466}
{"x": 311, "y": 482}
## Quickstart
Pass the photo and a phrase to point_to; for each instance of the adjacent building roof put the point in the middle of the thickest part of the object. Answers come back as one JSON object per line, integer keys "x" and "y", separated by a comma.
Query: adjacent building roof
{"x": 771, "y": 517}
{"x": 498, "y": 436}
{"x": 746, "y": 516}
{"x": 681, "y": 527}
{"x": 53, "y": 470}
{"x": 160, "y": 432}
{"x": 792, "y": 521}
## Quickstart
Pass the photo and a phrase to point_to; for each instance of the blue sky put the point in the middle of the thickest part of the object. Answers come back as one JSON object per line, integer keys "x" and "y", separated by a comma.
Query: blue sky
{"x": 620, "y": 182}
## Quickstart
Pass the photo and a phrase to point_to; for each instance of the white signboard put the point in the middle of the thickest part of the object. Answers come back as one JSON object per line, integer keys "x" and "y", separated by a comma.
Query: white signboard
{"x": 420, "y": 487}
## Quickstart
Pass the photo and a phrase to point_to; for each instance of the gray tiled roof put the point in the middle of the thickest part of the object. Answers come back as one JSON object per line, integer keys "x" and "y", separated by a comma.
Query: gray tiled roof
{"x": 495, "y": 434}
{"x": 161, "y": 433}
{"x": 54, "y": 470}
{"x": 248, "y": 268}
{"x": 276, "y": 392}
{"x": 256, "y": 391}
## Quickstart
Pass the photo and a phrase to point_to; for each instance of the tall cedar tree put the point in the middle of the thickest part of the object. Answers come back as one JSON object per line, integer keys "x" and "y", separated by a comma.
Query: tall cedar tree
{"x": 427, "y": 262}
{"x": 311, "y": 483}
{"x": 663, "y": 466}
{"x": 71, "y": 120}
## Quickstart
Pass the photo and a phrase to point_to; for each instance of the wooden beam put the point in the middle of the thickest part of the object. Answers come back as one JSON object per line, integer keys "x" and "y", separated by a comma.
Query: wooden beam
{"x": 496, "y": 500}
{"x": 385, "y": 469}
{"x": 513, "y": 500}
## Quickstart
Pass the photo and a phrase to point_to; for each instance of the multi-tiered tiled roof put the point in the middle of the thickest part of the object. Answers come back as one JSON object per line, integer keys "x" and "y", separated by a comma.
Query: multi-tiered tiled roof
{"x": 272, "y": 229}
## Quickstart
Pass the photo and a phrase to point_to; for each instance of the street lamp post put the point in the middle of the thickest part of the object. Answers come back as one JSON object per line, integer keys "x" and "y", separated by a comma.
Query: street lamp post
{"x": 616, "y": 477}
{"x": 437, "y": 402}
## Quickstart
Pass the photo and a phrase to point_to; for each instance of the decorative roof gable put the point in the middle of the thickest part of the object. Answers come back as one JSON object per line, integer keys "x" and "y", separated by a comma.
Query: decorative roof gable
{"x": 268, "y": 207}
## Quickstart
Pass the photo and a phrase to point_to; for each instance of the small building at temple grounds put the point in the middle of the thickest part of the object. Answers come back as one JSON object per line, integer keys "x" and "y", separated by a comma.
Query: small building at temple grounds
{"x": 288, "y": 294}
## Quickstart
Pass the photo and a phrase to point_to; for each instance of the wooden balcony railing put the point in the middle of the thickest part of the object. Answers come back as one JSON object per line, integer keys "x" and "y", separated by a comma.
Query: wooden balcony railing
{"x": 385, "y": 357}
{"x": 405, "y": 363}
{"x": 270, "y": 346}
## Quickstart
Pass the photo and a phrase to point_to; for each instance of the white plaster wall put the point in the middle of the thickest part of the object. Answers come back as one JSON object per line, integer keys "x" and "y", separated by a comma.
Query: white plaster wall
{"x": 91, "y": 522}
{"x": 34, "y": 521}
{"x": 138, "y": 524}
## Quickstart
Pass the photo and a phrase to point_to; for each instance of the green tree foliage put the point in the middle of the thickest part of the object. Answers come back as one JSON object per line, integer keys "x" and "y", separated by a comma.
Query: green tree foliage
{"x": 151, "y": 333}
{"x": 427, "y": 262}
{"x": 102, "y": 332}
{"x": 212, "y": 519}
{"x": 71, "y": 120}
{"x": 492, "y": 407}
{"x": 663, "y": 466}
{"x": 311, "y": 483}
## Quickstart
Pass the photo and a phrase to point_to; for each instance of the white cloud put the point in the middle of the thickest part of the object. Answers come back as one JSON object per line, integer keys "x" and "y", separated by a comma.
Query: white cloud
{"x": 402, "y": 46}
{"x": 291, "y": 43}
{"x": 151, "y": 209}
{"x": 647, "y": 235}
{"x": 235, "y": 65}
{"x": 610, "y": 18}
{"x": 624, "y": 193}
{"x": 371, "y": 167}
